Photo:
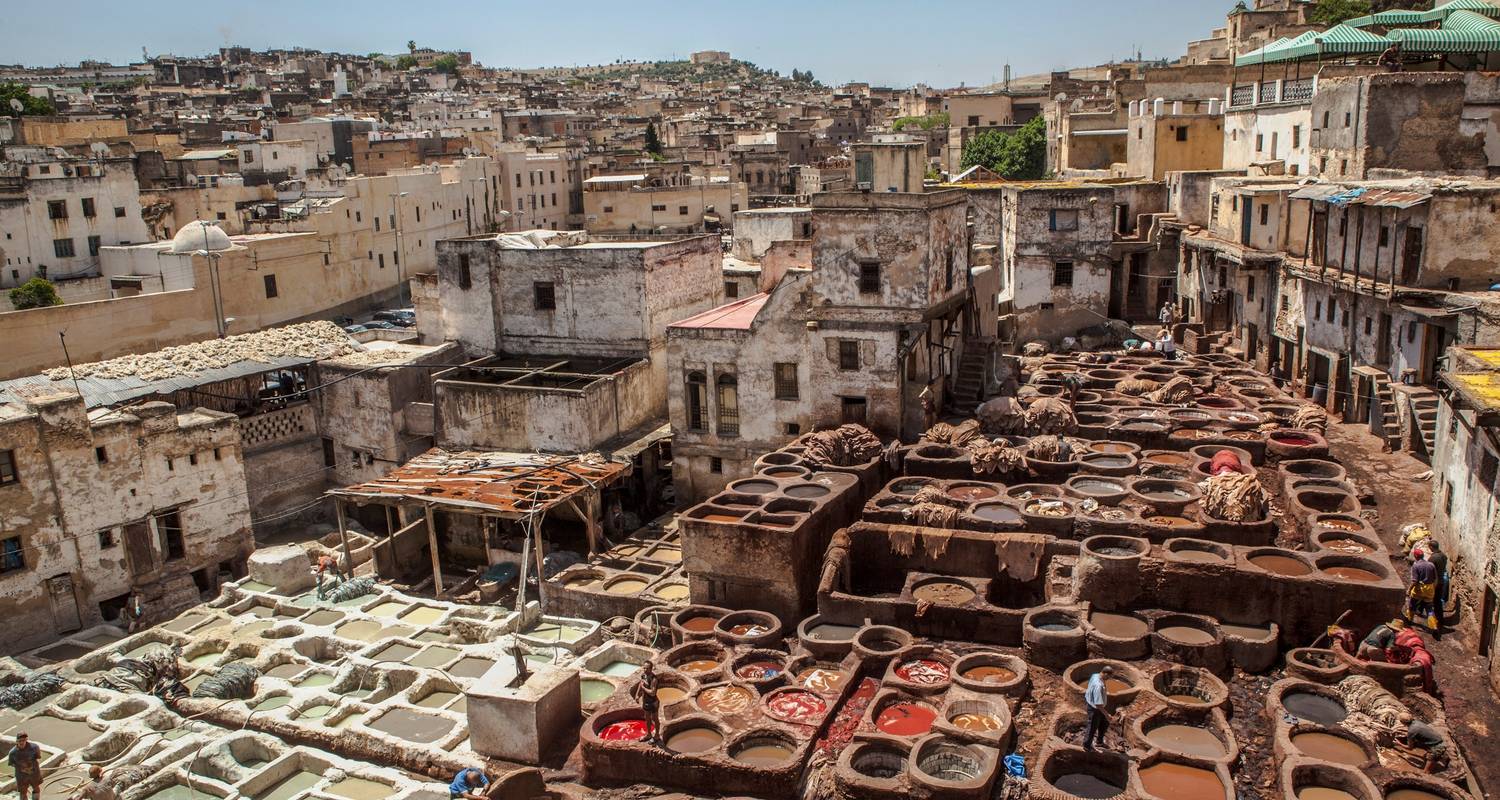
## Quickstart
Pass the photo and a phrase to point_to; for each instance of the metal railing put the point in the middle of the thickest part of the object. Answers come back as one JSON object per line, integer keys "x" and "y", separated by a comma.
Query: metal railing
{"x": 1242, "y": 95}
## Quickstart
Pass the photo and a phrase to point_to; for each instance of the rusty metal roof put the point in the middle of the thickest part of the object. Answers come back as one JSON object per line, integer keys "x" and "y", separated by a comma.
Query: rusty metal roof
{"x": 500, "y": 483}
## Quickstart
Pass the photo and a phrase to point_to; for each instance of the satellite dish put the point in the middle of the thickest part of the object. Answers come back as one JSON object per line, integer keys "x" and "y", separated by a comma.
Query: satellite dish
{"x": 15, "y": 105}
{"x": 99, "y": 148}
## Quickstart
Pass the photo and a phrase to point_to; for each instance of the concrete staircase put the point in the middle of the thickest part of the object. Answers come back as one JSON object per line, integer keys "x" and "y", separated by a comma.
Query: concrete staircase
{"x": 968, "y": 385}
{"x": 1424, "y": 412}
{"x": 1388, "y": 425}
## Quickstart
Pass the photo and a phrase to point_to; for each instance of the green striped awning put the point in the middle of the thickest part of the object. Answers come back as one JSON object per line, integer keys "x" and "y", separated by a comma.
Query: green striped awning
{"x": 1389, "y": 18}
{"x": 1445, "y": 10}
{"x": 1256, "y": 56}
{"x": 1462, "y": 32}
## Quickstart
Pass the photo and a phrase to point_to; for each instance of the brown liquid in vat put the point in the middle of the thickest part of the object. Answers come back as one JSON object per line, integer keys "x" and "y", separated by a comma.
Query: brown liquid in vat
{"x": 1281, "y": 565}
{"x": 1171, "y": 781}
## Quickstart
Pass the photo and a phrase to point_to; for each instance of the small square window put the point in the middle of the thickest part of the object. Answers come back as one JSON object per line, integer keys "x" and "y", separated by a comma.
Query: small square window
{"x": 119, "y": 212}
{"x": 731, "y": 290}
{"x": 88, "y": 207}
{"x": 192, "y": 459}
{"x": 1063, "y": 219}
{"x": 57, "y": 209}
{"x": 270, "y": 283}
{"x": 792, "y": 429}
{"x": 107, "y": 538}
{"x": 8, "y": 474}
{"x": 1062, "y": 273}
{"x": 869, "y": 277}
{"x": 786, "y": 383}
{"x": 1182, "y": 133}
{"x": 716, "y": 465}
{"x": 101, "y": 455}
{"x": 62, "y": 248}
{"x": 544, "y": 296}
{"x": 848, "y": 355}
{"x": 12, "y": 556}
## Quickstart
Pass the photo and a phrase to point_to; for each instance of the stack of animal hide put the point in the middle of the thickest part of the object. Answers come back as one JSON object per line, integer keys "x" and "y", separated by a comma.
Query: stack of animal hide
{"x": 991, "y": 457}
{"x": 959, "y": 435}
{"x": 1002, "y": 416}
{"x": 1235, "y": 497}
{"x": 1310, "y": 417}
{"x": 1176, "y": 392}
{"x": 1135, "y": 387}
{"x": 1050, "y": 415}
{"x": 845, "y": 446}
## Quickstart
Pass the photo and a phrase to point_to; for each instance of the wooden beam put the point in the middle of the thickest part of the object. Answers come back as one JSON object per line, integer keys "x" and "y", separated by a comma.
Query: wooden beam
{"x": 338, "y": 508}
{"x": 432, "y": 543}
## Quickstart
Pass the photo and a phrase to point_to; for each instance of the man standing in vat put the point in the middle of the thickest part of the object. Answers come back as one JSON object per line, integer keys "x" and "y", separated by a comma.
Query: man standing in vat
{"x": 467, "y": 784}
{"x": 26, "y": 759}
{"x": 645, "y": 694}
{"x": 1097, "y": 699}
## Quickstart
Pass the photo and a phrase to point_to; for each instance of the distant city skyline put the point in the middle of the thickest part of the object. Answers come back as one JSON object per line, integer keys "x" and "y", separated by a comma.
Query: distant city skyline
{"x": 942, "y": 43}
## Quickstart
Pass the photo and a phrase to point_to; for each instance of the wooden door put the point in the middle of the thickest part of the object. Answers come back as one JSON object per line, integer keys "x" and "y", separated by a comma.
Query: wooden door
{"x": 65, "y": 616}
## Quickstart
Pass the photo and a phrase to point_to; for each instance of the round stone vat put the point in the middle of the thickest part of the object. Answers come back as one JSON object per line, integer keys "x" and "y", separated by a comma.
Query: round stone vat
{"x": 1167, "y": 497}
{"x": 1072, "y": 772}
{"x": 1122, "y": 686}
{"x": 1053, "y": 638}
{"x": 880, "y": 643}
{"x": 1121, "y": 635}
{"x": 1351, "y": 569}
{"x": 1190, "y": 688}
{"x": 826, "y": 639}
{"x": 1315, "y": 664}
{"x": 992, "y": 673}
{"x": 950, "y": 768}
{"x": 1197, "y": 551}
{"x": 1191, "y": 640}
{"x": 1308, "y": 779}
{"x": 1285, "y": 563}
{"x": 770, "y": 749}
{"x": 755, "y": 628}
{"x": 696, "y": 622}
{"x": 1105, "y": 490}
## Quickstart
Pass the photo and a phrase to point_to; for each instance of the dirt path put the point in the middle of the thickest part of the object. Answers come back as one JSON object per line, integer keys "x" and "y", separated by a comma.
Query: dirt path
{"x": 1401, "y": 496}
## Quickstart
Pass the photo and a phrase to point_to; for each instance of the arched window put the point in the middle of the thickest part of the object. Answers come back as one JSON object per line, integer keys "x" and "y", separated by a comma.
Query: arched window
{"x": 697, "y": 401}
{"x": 729, "y": 406}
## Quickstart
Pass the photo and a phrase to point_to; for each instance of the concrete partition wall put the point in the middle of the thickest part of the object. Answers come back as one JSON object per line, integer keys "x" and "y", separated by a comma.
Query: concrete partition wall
{"x": 519, "y": 723}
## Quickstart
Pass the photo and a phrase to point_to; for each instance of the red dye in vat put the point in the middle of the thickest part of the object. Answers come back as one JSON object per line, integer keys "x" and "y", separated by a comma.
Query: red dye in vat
{"x": 1292, "y": 440}
{"x": 797, "y": 706}
{"x": 626, "y": 730}
{"x": 905, "y": 719}
{"x": 923, "y": 671}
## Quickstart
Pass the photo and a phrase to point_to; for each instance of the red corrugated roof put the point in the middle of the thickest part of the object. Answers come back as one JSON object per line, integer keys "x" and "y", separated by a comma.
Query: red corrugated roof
{"x": 737, "y": 316}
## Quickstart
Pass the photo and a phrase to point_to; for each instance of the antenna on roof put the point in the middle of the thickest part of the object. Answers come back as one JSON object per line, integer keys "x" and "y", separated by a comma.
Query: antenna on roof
{"x": 63, "y": 336}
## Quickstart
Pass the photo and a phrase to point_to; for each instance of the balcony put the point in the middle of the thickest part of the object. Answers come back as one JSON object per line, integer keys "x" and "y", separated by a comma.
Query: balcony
{"x": 1249, "y": 95}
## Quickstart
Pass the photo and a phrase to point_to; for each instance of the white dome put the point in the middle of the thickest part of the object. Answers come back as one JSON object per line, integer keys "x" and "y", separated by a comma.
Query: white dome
{"x": 199, "y": 236}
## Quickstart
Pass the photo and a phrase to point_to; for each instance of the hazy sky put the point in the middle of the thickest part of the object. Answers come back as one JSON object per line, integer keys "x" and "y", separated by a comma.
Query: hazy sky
{"x": 939, "y": 42}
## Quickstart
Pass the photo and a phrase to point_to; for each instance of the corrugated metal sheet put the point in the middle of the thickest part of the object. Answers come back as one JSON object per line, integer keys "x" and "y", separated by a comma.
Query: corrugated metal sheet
{"x": 504, "y": 484}
{"x": 100, "y": 392}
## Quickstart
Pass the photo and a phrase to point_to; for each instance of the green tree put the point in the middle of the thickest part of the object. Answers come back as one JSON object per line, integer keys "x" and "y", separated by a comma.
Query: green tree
{"x": 653, "y": 140}
{"x": 35, "y": 293}
{"x": 1332, "y": 12}
{"x": 406, "y": 62}
{"x": 411, "y": 46}
{"x": 926, "y": 123}
{"x": 448, "y": 64}
{"x": 30, "y": 106}
{"x": 1019, "y": 156}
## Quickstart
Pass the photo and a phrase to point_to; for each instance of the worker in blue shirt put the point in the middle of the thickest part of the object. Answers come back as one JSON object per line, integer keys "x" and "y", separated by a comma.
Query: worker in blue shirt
{"x": 1097, "y": 699}
{"x": 468, "y": 783}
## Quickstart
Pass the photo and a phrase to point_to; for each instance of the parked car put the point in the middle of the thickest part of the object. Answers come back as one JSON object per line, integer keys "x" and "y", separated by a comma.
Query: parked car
{"x": 380, "y": 324}
{"x": 353, "y": 329}
{"x": 400, "y": 317}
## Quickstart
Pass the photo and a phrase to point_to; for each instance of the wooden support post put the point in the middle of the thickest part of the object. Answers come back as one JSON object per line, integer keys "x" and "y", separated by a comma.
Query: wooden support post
{"x": 338, "y": 508}
{"x": 432, "y": 542}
